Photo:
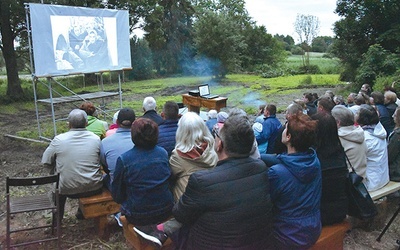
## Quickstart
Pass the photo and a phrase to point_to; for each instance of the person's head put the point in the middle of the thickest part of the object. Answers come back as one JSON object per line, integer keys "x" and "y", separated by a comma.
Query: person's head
{"x": 261, "y": 109}
{"x": 235, "y": 138}
{"x": 170, "y": 111}
{"x": 338, "y": 99}
{"x": 270, "y": 110}
{"x": 365, "y": 88}
{"x": 88, "y": 107}
{"x": 222, "y": 116}
{"x": 315, "y": 95}
{"x": 115, "y": 117}
{"x": 126, "y": 117}
{"x": 325, "y": 104}
{"x": 328, "y": 141}
{"x": 300, "y": 132}
{"x": 293, "y": 109}
{"x": 212, "y": 114}
{"x": 329, "y": 93}
{"x": 396, "y": 117}
{"x": 192, "y": 132}
{"x": 343, "y": 116}
{"x": 390, "y": 97}
{"x": 351, "y": 97}
{"x": 378, "y": 97}
{"x": 359, "y": 100}
{"x": 149, "y": 103}
{"x": 308, "y": 97}
{"x": 367, "y": 115}
{"x": 77, "y": 118}
{"x": 144, "y": 133}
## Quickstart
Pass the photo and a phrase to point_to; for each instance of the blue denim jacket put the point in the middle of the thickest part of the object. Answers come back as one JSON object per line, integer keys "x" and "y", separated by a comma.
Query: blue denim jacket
{"x": 141, "y": 184}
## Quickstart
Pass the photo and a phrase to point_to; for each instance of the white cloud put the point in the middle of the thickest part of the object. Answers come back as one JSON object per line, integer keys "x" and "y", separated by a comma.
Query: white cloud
{"x": 279, "y": 16}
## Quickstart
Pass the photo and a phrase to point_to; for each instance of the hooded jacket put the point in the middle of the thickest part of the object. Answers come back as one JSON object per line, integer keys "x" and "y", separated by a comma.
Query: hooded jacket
{"x": 183, "y": 167}
{"x": 353, "y": 142}
{"x": 377, "y": 157}
{"x": 295, "y": 186}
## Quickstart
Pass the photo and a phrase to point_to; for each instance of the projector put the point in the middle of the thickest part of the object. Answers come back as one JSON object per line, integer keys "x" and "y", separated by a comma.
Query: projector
{"x": 194, "y": 93}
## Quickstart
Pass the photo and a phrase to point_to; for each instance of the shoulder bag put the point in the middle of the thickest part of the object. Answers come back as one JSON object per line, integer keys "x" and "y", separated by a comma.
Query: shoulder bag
{"x": 361, "y": 204}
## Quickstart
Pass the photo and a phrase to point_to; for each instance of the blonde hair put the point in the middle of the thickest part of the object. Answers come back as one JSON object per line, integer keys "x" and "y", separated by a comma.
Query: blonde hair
{"x": 192, "y": 132}
{"x": 390, "y": 97}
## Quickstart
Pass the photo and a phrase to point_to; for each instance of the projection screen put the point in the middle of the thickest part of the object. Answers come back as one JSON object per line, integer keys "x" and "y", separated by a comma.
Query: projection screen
{"x": 73, "y": 40}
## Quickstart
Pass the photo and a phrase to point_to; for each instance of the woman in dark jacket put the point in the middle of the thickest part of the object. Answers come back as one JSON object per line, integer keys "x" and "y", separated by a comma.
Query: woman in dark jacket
{"x": 141, "y": 177}
{"x": 331, "y": 155}
{"x": 394, "y": 149}
{"x": 295, "y": 186}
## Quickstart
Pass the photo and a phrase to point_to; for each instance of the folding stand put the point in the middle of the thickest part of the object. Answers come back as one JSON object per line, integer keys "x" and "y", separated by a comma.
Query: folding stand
{"x": 388, "y": 225}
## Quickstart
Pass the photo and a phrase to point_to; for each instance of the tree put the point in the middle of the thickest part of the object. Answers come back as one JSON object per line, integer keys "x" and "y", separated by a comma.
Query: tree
{"x": 307, "y": 28}
{"x": 10, "y": 28}
{"x": 261, "y": 48}
{"x": 321, "y": 44}
{"x": 169, "y": 33}
{"x": 218, "y": 37}
{"x": 142, "y": 60}
{"x": 359, "y": 28}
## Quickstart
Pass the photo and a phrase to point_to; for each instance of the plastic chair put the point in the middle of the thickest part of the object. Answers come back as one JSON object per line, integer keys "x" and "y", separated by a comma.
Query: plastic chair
{"x": 30, "y": 203}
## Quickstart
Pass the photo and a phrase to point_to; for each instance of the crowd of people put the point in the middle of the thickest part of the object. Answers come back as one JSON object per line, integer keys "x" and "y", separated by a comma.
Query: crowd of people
{"x": 232, "y": 182}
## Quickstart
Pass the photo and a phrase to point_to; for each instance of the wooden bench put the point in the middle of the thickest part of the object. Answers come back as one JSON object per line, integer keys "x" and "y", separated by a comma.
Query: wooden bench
{"x": 389, "y": 188}
{"x": 137, "y": 242}
{"x": 99, "y": 207}
{"x": 332, "y": 237}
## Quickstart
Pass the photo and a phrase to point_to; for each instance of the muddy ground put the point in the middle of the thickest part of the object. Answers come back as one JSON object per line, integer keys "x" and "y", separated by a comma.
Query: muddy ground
{"x": 22, "y": 158}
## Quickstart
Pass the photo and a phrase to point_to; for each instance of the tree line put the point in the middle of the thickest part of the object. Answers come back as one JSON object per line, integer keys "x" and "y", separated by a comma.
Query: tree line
{"x": 215, "y": 37}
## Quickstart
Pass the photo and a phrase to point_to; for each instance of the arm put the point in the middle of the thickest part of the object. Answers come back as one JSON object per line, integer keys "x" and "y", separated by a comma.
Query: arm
{"x": 103, "y": 161}
{"x": 118, "y": 185}
{"x": 49, "y": 156}
{"x": 393, "y": 147}
{"x": 189, "y": 207}
{"x": 273, "y": 183}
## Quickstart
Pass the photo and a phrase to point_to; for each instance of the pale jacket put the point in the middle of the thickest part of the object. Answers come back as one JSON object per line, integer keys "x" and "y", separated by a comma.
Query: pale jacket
{"x": 353, "y": 141}
{"x": 182, "y": 168}
{"x": 377, "y": 157}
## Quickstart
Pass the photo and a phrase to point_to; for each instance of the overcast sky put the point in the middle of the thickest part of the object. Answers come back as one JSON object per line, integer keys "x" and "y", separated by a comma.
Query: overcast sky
{"x": 279, "y": 16}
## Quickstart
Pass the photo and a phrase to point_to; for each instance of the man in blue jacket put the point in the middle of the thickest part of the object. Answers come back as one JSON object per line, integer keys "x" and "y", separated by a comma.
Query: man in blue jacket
{"x": 167, "y": 129}
{"x": 271, "y": 126}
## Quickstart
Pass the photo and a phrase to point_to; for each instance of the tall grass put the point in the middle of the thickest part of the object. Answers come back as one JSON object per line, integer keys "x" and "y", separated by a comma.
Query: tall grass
{"x": 326, "y": 65}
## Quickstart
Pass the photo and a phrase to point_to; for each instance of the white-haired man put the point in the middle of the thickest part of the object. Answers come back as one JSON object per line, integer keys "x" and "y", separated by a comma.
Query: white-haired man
{"x": 149, "y": 108}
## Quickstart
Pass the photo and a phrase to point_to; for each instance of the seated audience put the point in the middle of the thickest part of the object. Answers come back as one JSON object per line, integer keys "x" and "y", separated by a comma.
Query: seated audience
{"x": 377, "y": 174}
{"x": 229, "y": 206}
{"x": 167, "y": 129}
{"x": 212, "y": 119}
{"x": 331, "y": 155}
{"x": 384, "y": 117}
{"x": 394, "y": 149}
{"x": 149, "y": 108}
{"x": 114, "y": 126}
{"x": 94, "y": 125}
{"x": 295, "y": 186}
{"x": 194, "y": 151}
{"x": 141, "y": 177}
{"x": 75, "y": 156}
{"x": 352, "y": 139}
{"x": 115, "y": 145}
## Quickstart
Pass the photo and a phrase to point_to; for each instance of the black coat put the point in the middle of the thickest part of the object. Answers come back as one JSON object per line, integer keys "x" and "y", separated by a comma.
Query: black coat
{"x": 228, "y": 207}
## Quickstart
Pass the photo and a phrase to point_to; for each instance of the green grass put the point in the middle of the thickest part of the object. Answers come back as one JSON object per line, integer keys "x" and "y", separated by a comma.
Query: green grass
{"x": 326, "y": 65}
{"x": 243, "y": 91}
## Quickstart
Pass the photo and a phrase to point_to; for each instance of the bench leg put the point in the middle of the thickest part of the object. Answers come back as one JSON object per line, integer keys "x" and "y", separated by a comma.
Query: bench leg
{"x": 101, "y": 223}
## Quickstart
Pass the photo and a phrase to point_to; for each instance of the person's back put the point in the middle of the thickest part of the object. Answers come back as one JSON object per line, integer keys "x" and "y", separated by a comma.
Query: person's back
{"x": 94, "y": 125}
{"x": 167, "y": 129}
{"x": 228, "y": 207}
{"x": 331, "y": 155}
{"x": 194, "y": 151}
{"x": 394, "y": 149}
{"x": 295, "y": 185}
{"x": 377, "y": 157}
{"x": 271, "y": 126}
{"x": 115, "y": 145}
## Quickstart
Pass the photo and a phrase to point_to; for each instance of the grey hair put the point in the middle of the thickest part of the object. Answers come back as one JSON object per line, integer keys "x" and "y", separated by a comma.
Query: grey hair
{"x": 77, "y": 118}
{"x": 192, "y": 132}
{"x": 149, "y": 103}
{"x": 344, "y": 115}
